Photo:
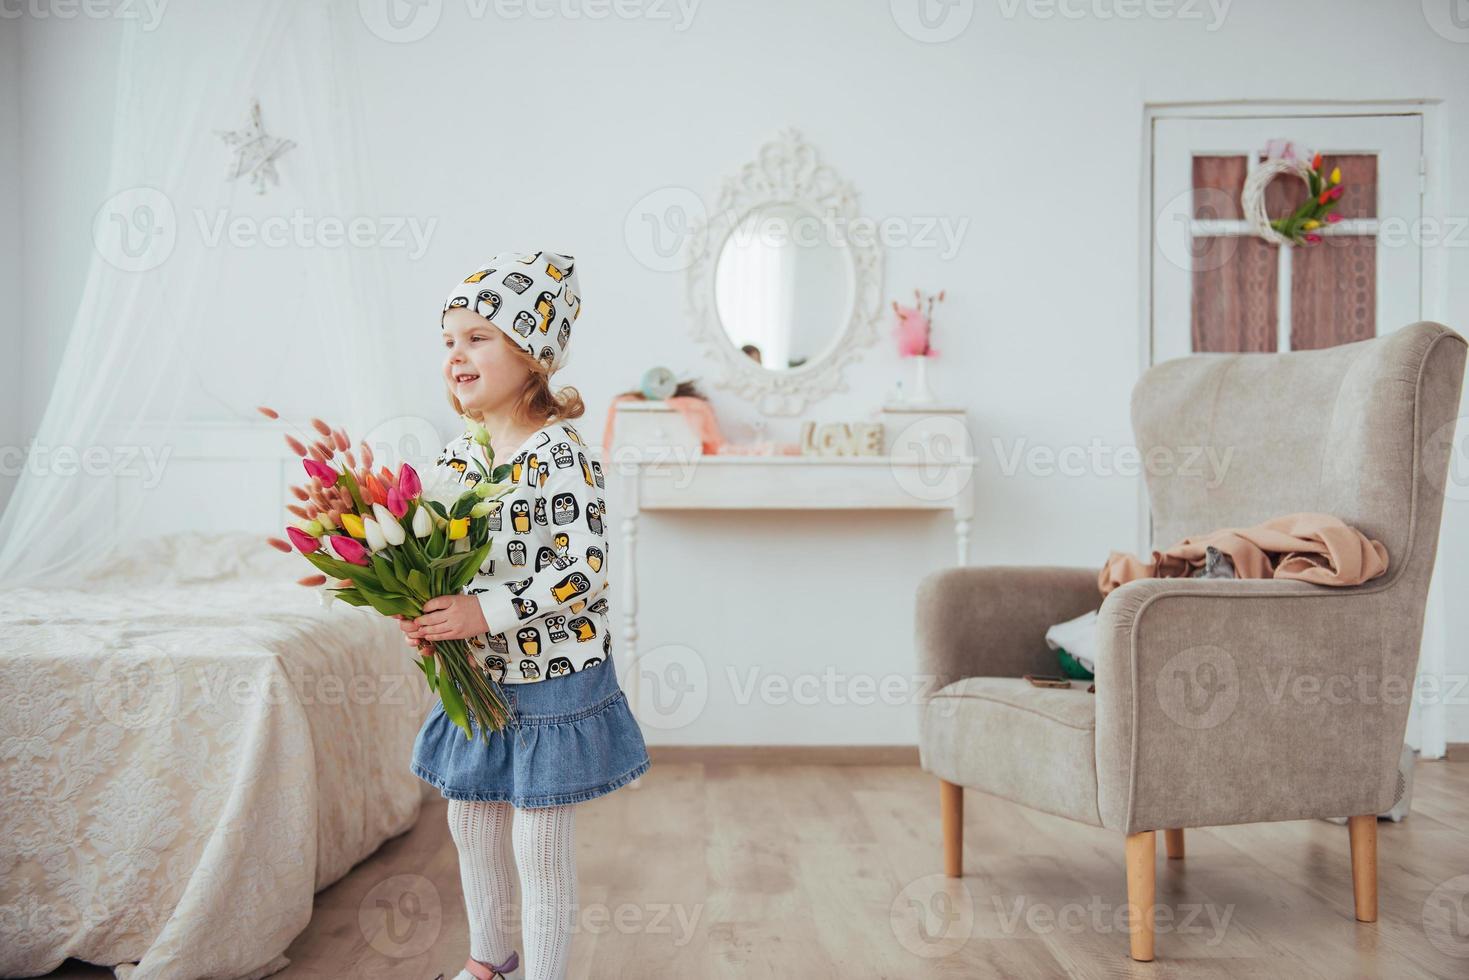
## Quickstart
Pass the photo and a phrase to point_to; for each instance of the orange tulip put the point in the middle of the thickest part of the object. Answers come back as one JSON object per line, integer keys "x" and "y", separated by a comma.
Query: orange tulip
{"x": 375, "y": 490}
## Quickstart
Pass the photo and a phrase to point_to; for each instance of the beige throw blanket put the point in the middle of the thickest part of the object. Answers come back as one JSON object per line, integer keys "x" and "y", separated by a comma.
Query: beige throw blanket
{"x": 1314, "y": 548}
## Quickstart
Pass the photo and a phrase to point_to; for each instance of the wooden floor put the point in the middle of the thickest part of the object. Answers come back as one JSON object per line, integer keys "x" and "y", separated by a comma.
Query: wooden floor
{"x": 736, "y": 870}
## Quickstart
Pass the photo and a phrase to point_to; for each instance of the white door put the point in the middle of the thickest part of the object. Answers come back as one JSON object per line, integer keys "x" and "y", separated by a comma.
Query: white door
{"x": 1216, "y": 286}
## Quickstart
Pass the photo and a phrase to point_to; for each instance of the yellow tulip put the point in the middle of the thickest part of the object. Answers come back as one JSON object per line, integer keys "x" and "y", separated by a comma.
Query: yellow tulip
{"x": 1312, "y": 225}
{"x": 354, "y": 527}
{"x": 458, "y": 528}
{"x": 1336, "y": 175}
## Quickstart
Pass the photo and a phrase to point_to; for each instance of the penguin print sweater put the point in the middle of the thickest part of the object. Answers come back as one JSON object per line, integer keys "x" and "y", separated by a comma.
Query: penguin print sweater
{"x": 543, "y": 587}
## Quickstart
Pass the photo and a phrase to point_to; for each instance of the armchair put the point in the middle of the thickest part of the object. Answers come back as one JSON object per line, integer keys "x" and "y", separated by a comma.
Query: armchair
{"x": 1200, "y": 715}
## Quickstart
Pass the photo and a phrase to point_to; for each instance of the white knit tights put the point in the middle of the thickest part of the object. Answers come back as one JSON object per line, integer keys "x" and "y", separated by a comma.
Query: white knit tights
{"x": 543, "y": 840}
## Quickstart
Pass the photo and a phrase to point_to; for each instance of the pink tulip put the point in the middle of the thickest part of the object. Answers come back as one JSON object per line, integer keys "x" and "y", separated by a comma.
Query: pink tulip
{"x": 304, "y": 542}
{"x": 1333, "y": 218}
{"x": 349, "y": 549}
{"x": 1336, "y": 192}
{"x": 397, "y": 505}
{"x": 326, "y": 474}
{"x": 408, "y": 483}
{"x": 1313, "y": 239}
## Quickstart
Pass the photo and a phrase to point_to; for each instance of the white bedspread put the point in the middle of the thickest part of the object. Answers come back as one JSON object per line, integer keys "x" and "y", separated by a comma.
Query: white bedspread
{"x": 185, "y": 760}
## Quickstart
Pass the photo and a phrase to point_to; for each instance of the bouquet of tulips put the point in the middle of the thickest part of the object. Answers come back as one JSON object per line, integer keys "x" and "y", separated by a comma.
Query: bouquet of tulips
{"x": 390, "y": 545}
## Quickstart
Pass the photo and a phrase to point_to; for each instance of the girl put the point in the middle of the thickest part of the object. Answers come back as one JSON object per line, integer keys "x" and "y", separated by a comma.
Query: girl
{"x": 538, "y": 612}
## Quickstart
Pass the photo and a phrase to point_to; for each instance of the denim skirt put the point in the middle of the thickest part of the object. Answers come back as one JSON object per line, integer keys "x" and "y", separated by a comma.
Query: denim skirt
{"x": 569, "y": 739}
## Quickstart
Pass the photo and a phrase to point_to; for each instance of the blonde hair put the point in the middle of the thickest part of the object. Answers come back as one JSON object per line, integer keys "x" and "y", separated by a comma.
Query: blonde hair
{"x": 535, "y": 401}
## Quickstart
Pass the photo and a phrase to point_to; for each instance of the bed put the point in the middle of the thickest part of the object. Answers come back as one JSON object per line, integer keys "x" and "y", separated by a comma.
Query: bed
{"x": 186, "y": 758}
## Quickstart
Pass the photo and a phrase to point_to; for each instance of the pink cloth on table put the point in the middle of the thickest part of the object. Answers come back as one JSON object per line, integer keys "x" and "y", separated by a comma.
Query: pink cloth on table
{"x": 696, "y": 411}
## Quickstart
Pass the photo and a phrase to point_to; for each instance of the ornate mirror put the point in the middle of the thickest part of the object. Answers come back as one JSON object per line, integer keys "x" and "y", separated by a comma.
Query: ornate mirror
{"x": 787, "y": 289}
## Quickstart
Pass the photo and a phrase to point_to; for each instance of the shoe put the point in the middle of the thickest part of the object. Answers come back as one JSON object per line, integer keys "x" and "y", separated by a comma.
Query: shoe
{"x": 489, "y": 971}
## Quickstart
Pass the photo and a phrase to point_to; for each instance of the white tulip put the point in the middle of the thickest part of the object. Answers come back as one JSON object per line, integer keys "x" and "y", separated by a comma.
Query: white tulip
{"x": 375, "y": 538}
{"x": 391, "y": 529}
{"x": 423, "y": 522}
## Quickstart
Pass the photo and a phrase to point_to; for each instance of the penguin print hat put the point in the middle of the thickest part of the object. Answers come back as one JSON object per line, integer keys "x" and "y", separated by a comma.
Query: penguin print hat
{"x": 532, "y": 296}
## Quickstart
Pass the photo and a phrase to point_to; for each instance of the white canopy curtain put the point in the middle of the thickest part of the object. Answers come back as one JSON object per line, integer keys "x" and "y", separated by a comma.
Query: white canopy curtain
{"x": 185, "y": 315}
{"x": 190, "y": 847}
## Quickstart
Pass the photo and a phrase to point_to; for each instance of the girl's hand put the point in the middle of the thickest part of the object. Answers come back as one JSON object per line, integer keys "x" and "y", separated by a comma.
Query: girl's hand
{"x": 411, "y": 634}
{"x": 449, "y": 617}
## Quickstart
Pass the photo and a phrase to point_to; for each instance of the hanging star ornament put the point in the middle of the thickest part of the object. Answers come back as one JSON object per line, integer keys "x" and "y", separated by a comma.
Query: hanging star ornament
{"x": 255, "y": 151}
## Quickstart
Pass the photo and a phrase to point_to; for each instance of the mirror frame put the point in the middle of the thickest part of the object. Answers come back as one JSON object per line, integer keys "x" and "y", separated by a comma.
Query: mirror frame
{"x": 786, "y": 170}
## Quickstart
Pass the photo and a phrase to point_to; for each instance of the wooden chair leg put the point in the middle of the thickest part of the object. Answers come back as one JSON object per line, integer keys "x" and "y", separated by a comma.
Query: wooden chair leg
{"x": 1173, "y": 843}
{"x": 1363, "y": 834}
{"x": 951, "y": 816}
{"x": 1142, "y": 856}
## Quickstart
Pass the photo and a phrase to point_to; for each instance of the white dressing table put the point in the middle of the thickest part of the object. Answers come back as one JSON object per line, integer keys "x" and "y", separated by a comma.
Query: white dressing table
{"x": 649, "y": 481}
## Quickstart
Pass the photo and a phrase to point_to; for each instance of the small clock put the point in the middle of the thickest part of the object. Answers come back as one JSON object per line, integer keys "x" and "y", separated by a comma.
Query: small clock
{"x": 658, "y": 384}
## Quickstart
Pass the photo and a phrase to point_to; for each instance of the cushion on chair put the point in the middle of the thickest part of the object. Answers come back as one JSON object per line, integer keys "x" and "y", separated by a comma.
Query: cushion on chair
{"x": 1002, "y": 735}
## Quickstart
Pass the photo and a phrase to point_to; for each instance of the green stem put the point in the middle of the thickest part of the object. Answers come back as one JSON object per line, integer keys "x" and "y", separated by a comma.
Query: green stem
{"x": 351, "y": 482}
{"x": 482, "y": 697}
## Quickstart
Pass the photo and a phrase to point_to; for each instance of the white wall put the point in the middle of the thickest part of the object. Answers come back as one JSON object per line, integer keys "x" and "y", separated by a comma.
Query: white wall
{"x": 12, "y": 426}
{"x": 537, "y": 133}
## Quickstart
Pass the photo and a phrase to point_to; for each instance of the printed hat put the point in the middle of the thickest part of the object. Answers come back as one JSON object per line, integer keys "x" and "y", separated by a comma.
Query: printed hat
{"x": 532, "y": 296}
